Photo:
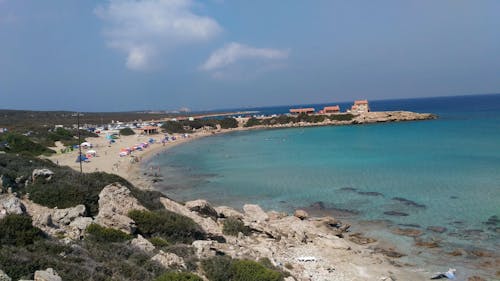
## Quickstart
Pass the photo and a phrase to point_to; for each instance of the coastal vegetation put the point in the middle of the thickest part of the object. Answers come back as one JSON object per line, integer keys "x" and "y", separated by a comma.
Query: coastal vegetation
{"x": 17, "y": 143}
{"x": 167, "y": 225}
{"x": 102, "y": 234}
{"x": 233, "y": 226}
{"x": 127, "y": 132}
{"x": 228, "y": 123}
{"x": 252, "y": 122}
{"x": 179, "y": 276}
{"x": 17, "y": 230}
{"x": 222, "y": 268}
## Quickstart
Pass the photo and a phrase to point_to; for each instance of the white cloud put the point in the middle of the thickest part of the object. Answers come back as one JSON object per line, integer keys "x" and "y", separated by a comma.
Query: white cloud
{"x": 235, "y": 52}
{"x": 148, "y": 29}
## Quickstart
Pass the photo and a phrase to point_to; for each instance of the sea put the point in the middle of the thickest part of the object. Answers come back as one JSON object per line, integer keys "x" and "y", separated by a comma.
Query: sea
{"x": 441, "y": 177}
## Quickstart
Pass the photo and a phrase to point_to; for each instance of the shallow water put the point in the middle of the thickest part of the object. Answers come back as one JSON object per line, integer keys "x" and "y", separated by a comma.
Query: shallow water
{"x": 443, "y": 172}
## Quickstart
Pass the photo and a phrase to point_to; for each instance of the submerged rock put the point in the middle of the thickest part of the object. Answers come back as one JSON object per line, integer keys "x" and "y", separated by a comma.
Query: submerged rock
{"x": 360, "y": 239}
{"x": 348, "y": 189}
{"x": 437, "y": 229}
{"x": 396, "y": 213}
{"x": 370, "y": 193}
{"x": 427, "y": 244}
{"x": 476, "y": 278}
{"x": 411, "y": 232}
{"x": 319, "y": 205}
{"x": 408, "y": 202}
{"x": 389, "y": 252}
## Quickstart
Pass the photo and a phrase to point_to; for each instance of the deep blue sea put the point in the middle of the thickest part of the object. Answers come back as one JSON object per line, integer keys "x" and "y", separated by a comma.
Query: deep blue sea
{"x": 443, "y": 172}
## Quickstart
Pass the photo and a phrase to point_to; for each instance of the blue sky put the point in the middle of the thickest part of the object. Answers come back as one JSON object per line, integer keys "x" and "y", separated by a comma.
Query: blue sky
{"x": 165, "y": 54}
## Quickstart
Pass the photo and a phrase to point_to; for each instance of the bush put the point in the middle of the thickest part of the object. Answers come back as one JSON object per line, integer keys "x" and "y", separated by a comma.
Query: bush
{"x": 217, "y": 268}
{"x": 102, "y": 234}
{"x": 228, "y": 123}
{"x": 173, "y": 127}
{"x": 18, "y": 230}
{"x": 178, "y": 276}
{"x": 252, "y": 122}
{"x": 221, "y": 268}
{"x": 127, "y": 132}
{"x": 159, "y": 242}
{"x": 246, "y": 270}
{"x": 17, "y": 143}
{"x": 232, "y": 226}
{"x": 167, "y": 225}
{"x": 341, "y": 117}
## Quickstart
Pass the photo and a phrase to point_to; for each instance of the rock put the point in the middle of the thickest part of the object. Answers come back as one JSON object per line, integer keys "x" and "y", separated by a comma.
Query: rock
{"x": 207, "y": 224}
{"x": 437, "y": 229}
{"x": 412, "y": 232}
{"x": 289, "y": 278}
{"x": 396, "y": 213}
{"x": 457, "y": 252}
{"x": 43, "y": 219}
{"x": 66, "y": 216}
{"x": 204, "y": 249}
{"x": 4, "y": 276}
{"x": 476, "y": 278}
{"x": 301, "y": 214}
{"x": 226, "y": 212}
{"x": 81, "y": 223}
{"x": 115, "y": 202}
{"x": 273, "y": 215}
{"x": 142, "y": 244}
{"x": 389, "y": 252}
{"x": 202, "y": 207}
{"x": 44, "y": 174}
{"x": 255, "y": 213}
{"x": 9, "y": 204}
{"x": 360, "y": 239}
{"x": 47, "y": 275}
{"x": 169, "y": 260}
{"x": 427, "y": 244}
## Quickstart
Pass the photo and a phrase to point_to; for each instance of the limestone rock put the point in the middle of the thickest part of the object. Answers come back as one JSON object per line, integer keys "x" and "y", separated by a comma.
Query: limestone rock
{"x": 115, "y": 202}
{"x": 143, "y": 244}
{"x": 208, "y": 225}
{"x": 226, "y": 212}
{"x": 65, "y": 216}
{"x": 81, "y": 223}
{"x": 169, "y": 260}
{"x": 203, "y": 248}
{"x": 44, "y": 174}
{"x": 47, "y": 275}
{"x": 476, "y": 278}
{"x": 255, "y": 213}
{"x": 202, "y": 207}
{"x": 4, "y": 276}
{"x": 9, "y": 204}
{"x": 273, "y": 215}
{"x": 301, "y": 214}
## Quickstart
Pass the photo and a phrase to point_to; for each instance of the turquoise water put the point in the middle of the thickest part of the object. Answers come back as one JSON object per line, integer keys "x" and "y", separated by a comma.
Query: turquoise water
{"x": 448, "y": 170}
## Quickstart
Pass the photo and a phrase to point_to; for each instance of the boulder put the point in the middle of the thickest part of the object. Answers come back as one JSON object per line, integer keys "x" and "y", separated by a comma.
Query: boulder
{"x": 255, "y": 213}
{"x": 204, "y": 249}
{"x": 81, "y": 223}
{"x": 273, "y": 215}
{"x": 202, "y": 207}
{"x": 44, "y": 174}
{"x": 142, "y": 244}
{"x": 301, "y": 214}
{"x": 47, "y": 275}
{"x": 226, "y": 212}
{"x": 4, "y": 276}
{"x": 66, "y": 216}
{"x": 115, "y": 202}
{"x": 169, "y": 260}
{"x": 9, "y": 204}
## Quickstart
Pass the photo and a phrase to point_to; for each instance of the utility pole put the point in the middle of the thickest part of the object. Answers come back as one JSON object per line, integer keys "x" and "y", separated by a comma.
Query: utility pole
{"x": 79, "y": 143}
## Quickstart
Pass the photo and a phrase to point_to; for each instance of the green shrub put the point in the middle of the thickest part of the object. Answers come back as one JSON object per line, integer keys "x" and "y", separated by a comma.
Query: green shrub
{"x": 178, "y": 276}
{"x": 127, "y": 132}
{"x": 18, "y": 143}
{"x": 341, "y": 117}
{"x": 167, "y": 225}
{"x": 217, "y": 268}
{"x": 159, "y": 242}
{"x": 246, "y": 270}
{"x": 102, "y": 234}
{"x": 232, "y": 226}
{"x": 18, "y": 230}
{"x": 228, "y": 123}
{"x": 252, "y": 122}
{"x": 173, "y": 127}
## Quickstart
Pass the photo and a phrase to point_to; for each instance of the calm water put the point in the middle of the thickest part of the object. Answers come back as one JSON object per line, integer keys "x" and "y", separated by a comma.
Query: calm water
{"x": 448, "y": 168}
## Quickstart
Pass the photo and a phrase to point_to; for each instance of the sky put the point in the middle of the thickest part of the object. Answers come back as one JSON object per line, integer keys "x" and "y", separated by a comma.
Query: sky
{"x": 117, "y": 55}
